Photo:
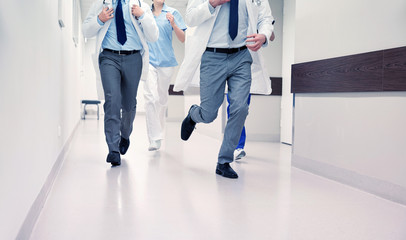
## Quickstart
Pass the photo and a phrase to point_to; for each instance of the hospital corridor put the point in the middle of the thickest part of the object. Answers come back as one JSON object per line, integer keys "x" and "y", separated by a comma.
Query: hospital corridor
{"x": 174, "y": 194}
{"x": 203, "y": 120}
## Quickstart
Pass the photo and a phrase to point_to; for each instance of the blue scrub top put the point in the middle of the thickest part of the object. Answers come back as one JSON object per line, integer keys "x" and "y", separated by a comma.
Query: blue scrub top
{"x": 161, "y": 52}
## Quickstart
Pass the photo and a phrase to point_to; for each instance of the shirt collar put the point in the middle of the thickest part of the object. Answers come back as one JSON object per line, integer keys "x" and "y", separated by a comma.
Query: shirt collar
{"x": 164, "y": 8}
{"x": 123, "y": 1}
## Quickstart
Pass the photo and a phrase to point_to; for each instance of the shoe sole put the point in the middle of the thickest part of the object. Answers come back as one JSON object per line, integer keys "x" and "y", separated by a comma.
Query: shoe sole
{"x": 123, "y": 152}
{"x": 187, "y": 135}
{"x": 240, "y": 156}
{"x": 114, "y": 163}
{"x": 222, "y": 174}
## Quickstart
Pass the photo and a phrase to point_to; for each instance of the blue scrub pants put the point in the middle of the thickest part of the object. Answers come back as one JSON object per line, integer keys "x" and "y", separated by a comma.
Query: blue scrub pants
{"x": 241, "y": 143}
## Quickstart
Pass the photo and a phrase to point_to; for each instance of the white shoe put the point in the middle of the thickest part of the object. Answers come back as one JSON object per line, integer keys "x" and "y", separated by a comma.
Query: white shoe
{"x": 154, "y": 145}
{"x": 240, "y": 153}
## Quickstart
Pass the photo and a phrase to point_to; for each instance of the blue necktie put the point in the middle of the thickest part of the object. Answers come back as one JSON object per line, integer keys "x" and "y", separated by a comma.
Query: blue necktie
{"x": 233, "y": 22}
{"x": 121, "y": 36}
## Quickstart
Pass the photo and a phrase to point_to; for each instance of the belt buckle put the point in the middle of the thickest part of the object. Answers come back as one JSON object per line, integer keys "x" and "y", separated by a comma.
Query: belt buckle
{"x": 119, "y": 52}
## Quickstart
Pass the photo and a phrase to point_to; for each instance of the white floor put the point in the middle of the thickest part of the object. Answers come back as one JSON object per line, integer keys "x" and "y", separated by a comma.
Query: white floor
{"x": 175, "y": 194}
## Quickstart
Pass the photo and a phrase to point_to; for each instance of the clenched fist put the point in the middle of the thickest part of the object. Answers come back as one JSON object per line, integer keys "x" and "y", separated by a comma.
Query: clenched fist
{"x": 215, "y": 3}
{"x": 137, "y": 11}
{"x": 257, "y": 41}
{"x": 170, "y": 18}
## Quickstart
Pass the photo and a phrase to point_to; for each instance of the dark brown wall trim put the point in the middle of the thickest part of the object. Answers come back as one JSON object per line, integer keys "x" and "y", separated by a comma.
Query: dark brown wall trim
{"x": 171, "y": 92}
{"x": 394, "y": 74}
{"x": 276, "y": 83}
{"x": 383, "y": 70}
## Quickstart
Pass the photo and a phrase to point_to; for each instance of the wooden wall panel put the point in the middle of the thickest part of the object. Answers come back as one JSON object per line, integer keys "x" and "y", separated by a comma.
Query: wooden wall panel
{"x": 276, "y": 84}
{"x": 374, "y": 71}
{"x": 171, "y": 92}
{"x": 394, "y": 69}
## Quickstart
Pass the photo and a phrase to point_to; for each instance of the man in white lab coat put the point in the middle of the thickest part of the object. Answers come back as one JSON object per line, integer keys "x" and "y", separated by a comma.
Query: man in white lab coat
{"x": 122, "y": 29}
{"x": 216, "y": 53}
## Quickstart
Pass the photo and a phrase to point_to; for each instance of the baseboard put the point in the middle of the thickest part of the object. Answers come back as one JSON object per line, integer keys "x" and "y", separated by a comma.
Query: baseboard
{"x": 368, "y": 184}
{"x": 256, "y": 137}
{"x": 175, "y": 119}
{"x": 29, "y": 223}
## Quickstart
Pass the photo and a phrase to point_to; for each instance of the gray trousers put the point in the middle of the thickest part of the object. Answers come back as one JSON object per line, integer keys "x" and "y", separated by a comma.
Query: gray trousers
{"x": 120, "y": 76}
{"x": 216, "y": 70}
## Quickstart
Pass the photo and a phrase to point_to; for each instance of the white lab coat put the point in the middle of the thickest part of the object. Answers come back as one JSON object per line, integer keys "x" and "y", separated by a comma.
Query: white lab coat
{"x": 146, "y": 28}
{"x": 200, "y": 23}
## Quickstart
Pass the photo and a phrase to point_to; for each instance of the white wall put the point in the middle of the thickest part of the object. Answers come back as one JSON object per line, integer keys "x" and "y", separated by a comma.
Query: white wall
{"x": 330, "y": 28}
{"x": 39, "y": 93}
{"x": 363, "y": 132}
{"x": 263, "y": 120}
{"x": 89, "y": 71}
{"x": 288, "y": 59}
{"x": 356, "y": 137}
{"x": 273, "y": 52}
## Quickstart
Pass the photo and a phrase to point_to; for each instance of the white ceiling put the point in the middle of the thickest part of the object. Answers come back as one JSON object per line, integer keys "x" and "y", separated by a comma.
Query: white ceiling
{"x": 180, "y": 5}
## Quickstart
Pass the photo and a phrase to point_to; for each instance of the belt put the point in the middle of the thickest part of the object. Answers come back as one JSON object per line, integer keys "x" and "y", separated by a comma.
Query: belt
{"x": 121, "y": 52}
{"x": 226, "y": 50}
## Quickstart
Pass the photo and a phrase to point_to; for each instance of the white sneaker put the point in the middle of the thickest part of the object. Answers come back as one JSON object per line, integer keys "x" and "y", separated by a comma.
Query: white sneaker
{"x": 240, "y": 153}
{"x": 154, "y": 145}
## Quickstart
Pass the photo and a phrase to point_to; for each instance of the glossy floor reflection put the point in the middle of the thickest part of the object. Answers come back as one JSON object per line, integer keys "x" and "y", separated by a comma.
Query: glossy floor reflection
{"x": 175, "y": 194}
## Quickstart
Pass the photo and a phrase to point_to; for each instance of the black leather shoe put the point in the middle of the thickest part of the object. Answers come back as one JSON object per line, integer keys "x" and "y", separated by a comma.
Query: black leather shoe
{"x": 114, "y": 158}
{"x": 123, "y": 146}
{"x": 226, "y": 171}
{"x": 188, "y": 125}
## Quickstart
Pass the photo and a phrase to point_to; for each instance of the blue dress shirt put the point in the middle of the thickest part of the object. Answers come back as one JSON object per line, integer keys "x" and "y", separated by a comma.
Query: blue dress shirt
{"x": 110, "y": 40}
{"x": 161, "y": 52}
{"x": 219, "y": 37}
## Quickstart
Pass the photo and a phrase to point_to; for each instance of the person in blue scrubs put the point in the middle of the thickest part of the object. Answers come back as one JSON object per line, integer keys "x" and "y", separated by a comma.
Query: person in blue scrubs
{"x": 162, "y": 64}
{"x": 239, "y": 150}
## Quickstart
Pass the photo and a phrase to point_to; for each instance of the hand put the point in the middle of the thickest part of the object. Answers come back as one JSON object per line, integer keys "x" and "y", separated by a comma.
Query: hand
{"x": 137, "y": 11}
{"x": 215, "y": 3}
{"x": 257, "y": 39}
{"x": 170, "y": 18}
{"x": 272, "y": 37}
{"x": 106, "y": 14}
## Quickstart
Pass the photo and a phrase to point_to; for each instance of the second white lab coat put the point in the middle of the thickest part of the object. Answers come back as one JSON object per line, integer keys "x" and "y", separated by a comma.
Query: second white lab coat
{"x": 146, "y": 28}
{"x": 200, "y": 23}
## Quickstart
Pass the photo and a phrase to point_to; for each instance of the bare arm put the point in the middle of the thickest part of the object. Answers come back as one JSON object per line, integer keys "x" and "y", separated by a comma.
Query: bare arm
{"x": 180, "y": 34}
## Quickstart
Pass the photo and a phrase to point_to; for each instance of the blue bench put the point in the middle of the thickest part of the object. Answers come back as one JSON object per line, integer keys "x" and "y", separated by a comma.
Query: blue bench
{"x": 92, "y": 102}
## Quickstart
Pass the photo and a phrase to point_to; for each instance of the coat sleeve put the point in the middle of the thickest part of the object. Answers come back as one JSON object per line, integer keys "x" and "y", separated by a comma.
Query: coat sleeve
{"x": 265, "y": 20}
{"x": 91, "y": 26}
{"x": 197, "y": 12}
{"x": 148, "y": 24}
